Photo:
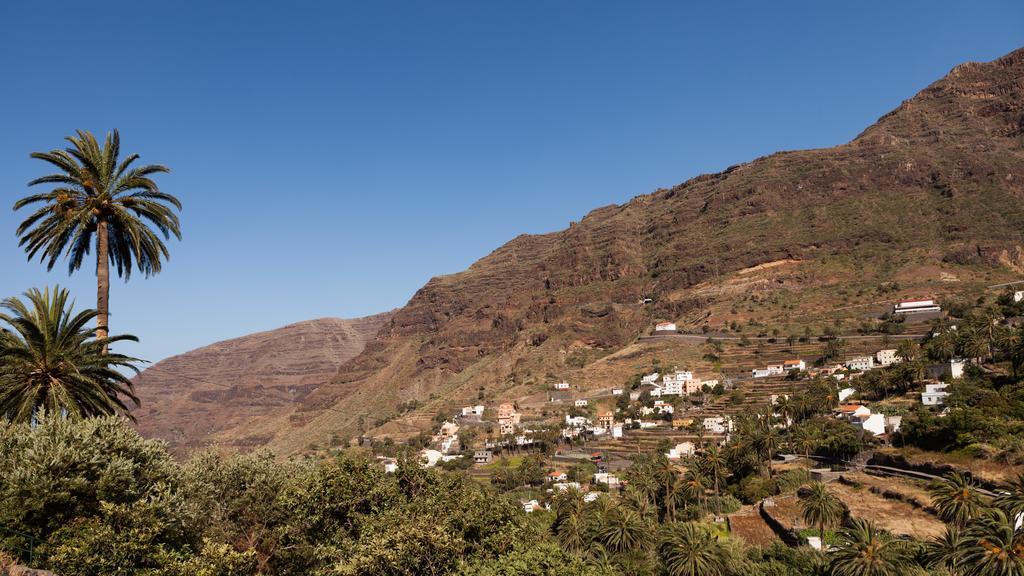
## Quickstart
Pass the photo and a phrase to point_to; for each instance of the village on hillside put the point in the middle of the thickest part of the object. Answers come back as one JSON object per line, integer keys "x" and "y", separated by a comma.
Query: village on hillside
{"x": 587, "y": 439}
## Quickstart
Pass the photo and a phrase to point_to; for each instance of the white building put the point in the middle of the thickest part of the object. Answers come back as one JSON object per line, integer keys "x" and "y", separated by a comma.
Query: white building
{"x": 617, "y": 391}
{"x": 616, "y": 431}
{"x": 887, "y": 357}
{"x": 1018, "y": 295}
{"x": 606, "y": 478}
{"x": 563, "y": 486}
{"x": 662, "y": 407}
{"x": 562, "y": 386}
{"x": 853, "y": 412}
{"x": 675, "y": 383}
{"x": 760, "y": 373}
{"x": 651, "y": 378}
{"x": 948, "y": 370}
{"x": 718, "y": 424}
{"x": 873, "y": 423}
{"x": 665, "y": 327}
{"x": 916, "y": 306}
{"x": 581, "y": 403}
{"x": 846, "y": 393}
{"x": 934, "y": 394}
{"x": 861, "y": 363}
{"x": 790, "y": 365}
{"x": 577, "y": 421}
{"x": 530, "y": 506}
{"x": 477, "y": 410}
{"x": 557, "y": 476}
{"x": 686, "y": 448}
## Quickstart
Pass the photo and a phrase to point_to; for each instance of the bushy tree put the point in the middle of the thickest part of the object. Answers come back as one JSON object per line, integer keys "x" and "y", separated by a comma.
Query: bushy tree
{"x": 59, "y": 472}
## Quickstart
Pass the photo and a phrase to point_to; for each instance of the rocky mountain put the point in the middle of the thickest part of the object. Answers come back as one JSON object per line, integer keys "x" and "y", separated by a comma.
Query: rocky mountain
{"x": 927, "y": 201}
{"x": 191, "y": 398}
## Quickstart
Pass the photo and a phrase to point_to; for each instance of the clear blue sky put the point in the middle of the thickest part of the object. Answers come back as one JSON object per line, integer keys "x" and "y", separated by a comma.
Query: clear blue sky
{"x": 333, "y": 156}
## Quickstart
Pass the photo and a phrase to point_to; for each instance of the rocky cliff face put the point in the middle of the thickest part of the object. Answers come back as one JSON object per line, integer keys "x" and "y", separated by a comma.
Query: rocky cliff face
{"x": 934, "y": 190}
{"x": 191, "y": 399}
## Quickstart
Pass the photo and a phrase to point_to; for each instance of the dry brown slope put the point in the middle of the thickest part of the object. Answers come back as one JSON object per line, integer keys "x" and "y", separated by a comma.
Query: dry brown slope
{"x": 936, "y": 184}
{"x": 192, "y": 399}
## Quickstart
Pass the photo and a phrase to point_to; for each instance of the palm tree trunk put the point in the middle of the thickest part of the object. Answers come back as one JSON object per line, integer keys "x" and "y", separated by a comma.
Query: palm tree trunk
{"x": 102, "y": 279}
{"x": 718, "y": 499}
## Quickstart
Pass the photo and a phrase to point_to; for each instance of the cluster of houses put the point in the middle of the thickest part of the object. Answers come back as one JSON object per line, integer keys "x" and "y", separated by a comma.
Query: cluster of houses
{"x": 560, "y": 482}
{"x": 606, "y": 425}
{"x": 678, "y": 383}
{"x": 881, "y": 359}
{"x": 779, "y": 369}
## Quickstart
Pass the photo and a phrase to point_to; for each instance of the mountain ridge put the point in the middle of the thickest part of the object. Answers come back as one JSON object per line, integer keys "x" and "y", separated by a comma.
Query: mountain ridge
{"x": 246, "y": 375}
{"x": 933, "y": 190}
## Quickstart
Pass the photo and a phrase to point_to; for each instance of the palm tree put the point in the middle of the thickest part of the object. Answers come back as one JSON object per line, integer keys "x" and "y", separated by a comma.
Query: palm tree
{"x": 570, "y": 526}
{"x": 785, "y": 408}
{"x": 767, "y": 441}
{"x": 51, "y": 361}
{"x": 694, "y": 485}
{"x": 956, "y": 498}
{"x": 908, "y": 351}
{"x": 1011, "y": 497}
{"x": 572, "y": 534}
{"x": 943, "y": 346}
{"x": 622, "y": 530}
{"x": 714, "y": 464}
{"x": 947, "y": 550}
{"x": 689, "y": 549}
{"x": 97, "y": 194}
{"x": 863, "y": 552}
{"x": 803, "y": 441}
{"x": 994, "y": 546}
{"x": 820, "y": 507}
{"x": 640, "y": 503}
{"x": 668, "y": 475}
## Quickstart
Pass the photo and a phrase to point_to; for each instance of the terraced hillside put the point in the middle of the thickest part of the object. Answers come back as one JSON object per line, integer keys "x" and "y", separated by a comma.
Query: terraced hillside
{"x": 927, "y": 201}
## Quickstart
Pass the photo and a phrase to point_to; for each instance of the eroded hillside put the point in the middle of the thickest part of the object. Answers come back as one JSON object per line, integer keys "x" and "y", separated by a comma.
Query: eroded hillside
{"x": 929, "y": 200}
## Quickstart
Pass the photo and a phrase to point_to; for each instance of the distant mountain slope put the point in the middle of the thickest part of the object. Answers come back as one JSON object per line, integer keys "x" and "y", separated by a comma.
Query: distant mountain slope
{"x": 188, "y": 399}
{"x": 927, "y": 201}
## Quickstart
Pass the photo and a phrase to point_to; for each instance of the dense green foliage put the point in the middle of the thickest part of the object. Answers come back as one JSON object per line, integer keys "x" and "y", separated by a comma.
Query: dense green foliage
{"x": 95, "y": 498}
